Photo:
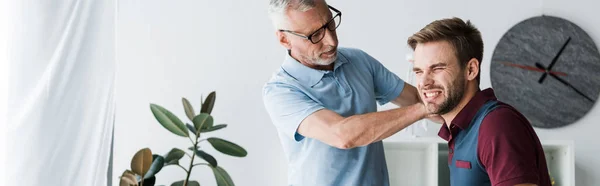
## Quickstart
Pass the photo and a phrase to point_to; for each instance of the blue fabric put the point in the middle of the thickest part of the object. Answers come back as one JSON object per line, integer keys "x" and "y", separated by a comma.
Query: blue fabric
{"x": 465, "y": 150}
{"x": 353, "y": 87}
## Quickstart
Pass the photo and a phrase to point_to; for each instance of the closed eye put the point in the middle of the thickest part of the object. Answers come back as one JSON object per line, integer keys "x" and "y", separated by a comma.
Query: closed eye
{"x": 438, "y": 66}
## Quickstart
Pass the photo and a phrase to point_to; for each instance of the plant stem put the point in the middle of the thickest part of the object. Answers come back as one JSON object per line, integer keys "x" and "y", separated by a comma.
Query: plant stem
{"x": 202, "y": 140}
{"x": 187, "y": 178}
{"x": 182, "y": 168}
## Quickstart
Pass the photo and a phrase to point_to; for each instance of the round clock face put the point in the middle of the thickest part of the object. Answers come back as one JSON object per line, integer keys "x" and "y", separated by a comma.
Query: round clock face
{"x": 547, "y": 68}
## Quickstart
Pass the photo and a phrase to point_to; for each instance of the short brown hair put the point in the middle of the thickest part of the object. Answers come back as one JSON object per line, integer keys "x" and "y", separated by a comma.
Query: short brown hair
{"x": 464, "y": 37}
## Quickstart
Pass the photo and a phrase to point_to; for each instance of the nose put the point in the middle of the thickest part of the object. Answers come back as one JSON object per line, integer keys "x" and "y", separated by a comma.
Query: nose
{"x": 330, "y": 38}
{"x": 425, "y": 80}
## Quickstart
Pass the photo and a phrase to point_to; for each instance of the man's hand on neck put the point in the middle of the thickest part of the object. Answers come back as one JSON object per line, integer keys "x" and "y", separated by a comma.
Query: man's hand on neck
{"x": 435, "y": 118}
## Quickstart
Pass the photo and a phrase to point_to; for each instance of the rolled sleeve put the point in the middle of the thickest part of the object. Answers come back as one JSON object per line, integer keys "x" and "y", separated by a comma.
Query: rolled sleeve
{"x": 288, "y": 107}
{"x": 388, "y": 85}
{"x": 394, "y": 90}
{"x": 533, "y": 179}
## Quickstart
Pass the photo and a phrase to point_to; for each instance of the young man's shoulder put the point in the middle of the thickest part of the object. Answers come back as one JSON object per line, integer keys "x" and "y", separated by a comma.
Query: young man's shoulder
{"x": 503, "y": 120}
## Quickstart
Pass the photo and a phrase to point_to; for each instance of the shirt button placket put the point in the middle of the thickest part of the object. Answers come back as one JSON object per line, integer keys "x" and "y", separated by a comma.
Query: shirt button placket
{"x": 338, "y": 81}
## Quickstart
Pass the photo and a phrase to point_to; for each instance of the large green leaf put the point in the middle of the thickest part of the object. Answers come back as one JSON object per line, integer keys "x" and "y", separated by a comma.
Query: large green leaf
{"x": 206, "y": 157}
{"x": 141, "y": 161}
{"x": 213, "y": 128}
{"x": 168, "y": 120}
{"x": 227, "y": 147}
{"x": 174, "y": 155}
{"x": 222, "y": 177}
{"x": 128, "y": 179}
{"x": 157, "y": 164}
{"x": 191, "y": 183}
{"x": 189, "y": 110}
{"x": 203, "y": 120}
{"x": 191, "y": 128}
{"x": 208, "y": 104}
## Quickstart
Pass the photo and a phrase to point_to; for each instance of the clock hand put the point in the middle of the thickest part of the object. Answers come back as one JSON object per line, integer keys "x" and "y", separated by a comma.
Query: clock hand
{"x": 538, "y": 69}
{"x": 540, "y": 66}
{"x": 565, "y": 83}
{"x": 554, "y": 60}
{"x": 579, "y": 92}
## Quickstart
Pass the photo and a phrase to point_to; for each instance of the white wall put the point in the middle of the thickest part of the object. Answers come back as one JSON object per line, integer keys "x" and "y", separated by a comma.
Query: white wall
{"x": 172, "y": 49}
{"x": 4, "y": 33}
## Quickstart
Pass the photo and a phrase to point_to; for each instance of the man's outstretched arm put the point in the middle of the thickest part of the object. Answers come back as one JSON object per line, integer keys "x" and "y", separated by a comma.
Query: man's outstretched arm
{"x": 359, "y": 130}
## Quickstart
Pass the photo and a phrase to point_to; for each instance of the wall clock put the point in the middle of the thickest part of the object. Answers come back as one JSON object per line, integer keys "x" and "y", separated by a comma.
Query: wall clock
{"x": 547, "y": 68}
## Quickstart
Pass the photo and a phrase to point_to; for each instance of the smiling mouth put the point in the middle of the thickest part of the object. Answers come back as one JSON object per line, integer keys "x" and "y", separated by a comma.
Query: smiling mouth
{"x": 430, "y": 95}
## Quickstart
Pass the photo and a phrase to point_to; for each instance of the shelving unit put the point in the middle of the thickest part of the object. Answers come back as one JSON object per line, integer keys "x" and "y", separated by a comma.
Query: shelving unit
{"x": 424, "y": 161}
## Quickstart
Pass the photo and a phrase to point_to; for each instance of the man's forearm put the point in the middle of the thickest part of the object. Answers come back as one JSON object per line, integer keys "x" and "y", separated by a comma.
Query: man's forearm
{"x": 364, "y": 129}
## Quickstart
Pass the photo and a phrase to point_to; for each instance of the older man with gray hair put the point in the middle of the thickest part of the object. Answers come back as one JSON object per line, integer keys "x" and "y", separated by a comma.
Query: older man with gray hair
{"x": 323, "y": 100}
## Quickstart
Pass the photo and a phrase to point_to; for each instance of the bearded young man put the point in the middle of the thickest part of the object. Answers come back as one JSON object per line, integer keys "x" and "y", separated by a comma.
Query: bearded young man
{"x": 490, "y": 142}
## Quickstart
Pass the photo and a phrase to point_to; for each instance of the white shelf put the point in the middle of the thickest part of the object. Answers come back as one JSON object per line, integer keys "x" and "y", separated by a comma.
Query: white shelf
{"x": 418, "y": 159}
{"x": 424, "y": 161}
{"x": 560, "y": 157}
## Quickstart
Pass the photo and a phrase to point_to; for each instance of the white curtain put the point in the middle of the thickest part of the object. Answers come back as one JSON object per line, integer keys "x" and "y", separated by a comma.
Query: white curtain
{"x": 61, "y": 97}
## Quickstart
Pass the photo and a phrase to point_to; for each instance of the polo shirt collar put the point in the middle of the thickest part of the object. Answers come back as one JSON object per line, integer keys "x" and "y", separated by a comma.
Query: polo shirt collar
{"x": 307, "y": 75}
{"x": 465, "y": 116}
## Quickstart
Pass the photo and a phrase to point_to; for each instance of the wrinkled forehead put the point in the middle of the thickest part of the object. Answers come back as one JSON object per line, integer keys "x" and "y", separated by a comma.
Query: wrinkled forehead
{"x": 430, "y": 53}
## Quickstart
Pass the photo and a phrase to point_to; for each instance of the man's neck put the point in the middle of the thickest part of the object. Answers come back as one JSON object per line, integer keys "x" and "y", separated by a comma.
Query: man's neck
{"x": 469, "y": 94}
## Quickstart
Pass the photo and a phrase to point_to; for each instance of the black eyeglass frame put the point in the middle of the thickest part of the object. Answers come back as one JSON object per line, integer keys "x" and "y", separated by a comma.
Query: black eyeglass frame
{"x": 310, "y": 36}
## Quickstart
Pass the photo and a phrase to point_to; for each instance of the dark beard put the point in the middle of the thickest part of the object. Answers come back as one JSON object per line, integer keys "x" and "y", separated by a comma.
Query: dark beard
{"x": 455, "y": 94}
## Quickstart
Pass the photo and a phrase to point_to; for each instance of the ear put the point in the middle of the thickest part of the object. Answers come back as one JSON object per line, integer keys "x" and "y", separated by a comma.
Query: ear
{"x": 472, "y": 69}
{"x": 283, "y": 40}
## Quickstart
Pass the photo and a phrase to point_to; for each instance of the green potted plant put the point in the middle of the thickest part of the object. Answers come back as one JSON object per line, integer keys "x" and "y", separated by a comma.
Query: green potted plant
{"x": 145, "y": 165}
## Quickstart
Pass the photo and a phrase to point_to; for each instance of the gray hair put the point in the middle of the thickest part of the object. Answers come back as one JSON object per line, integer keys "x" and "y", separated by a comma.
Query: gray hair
{"x": 279, "y": 8}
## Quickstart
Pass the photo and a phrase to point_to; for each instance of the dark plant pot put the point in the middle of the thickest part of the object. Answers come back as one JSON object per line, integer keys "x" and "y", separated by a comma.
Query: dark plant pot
{"x": 149, "y": 182}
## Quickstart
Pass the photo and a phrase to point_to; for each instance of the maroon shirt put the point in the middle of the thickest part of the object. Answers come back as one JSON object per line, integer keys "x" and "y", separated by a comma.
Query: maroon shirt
{"x": 507, "y": 147}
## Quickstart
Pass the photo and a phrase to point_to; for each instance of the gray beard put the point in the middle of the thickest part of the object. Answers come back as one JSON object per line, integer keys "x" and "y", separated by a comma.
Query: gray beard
{"x": 323, "y": 62}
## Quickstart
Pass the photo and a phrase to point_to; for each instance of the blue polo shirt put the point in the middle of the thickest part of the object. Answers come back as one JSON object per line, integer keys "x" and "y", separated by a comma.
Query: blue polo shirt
{"x": 295, "y": 91}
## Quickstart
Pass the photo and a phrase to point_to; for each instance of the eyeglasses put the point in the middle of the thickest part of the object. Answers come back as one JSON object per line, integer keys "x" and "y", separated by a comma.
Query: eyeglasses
{"x": 319, "y": 34}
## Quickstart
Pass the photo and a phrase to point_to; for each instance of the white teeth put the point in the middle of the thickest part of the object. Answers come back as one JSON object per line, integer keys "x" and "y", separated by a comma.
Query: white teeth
{"x": 431, "y": 94}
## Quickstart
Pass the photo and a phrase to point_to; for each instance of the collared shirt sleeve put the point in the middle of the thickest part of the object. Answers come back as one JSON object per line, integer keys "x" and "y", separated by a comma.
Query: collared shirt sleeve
{"x": 388, "y": 85}
{"x": 288, "y": 107}
{"x": 507, "y": 150}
